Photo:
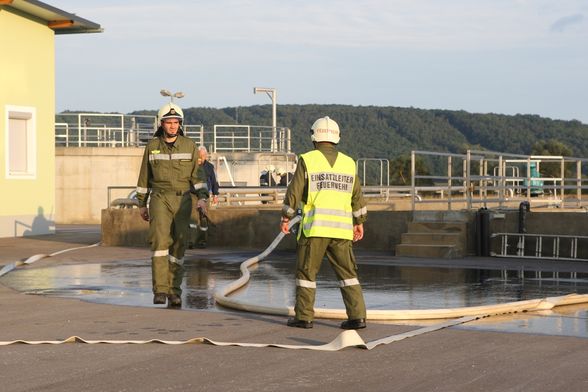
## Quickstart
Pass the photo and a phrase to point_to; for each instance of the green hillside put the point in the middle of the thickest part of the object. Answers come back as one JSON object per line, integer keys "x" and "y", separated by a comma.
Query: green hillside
{"x": 386, "y": 132}
{"x": 392, "y": 132}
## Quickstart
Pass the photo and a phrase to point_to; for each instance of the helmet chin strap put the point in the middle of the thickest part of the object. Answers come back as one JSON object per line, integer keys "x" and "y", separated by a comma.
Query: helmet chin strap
{"x": 169, "y": 136}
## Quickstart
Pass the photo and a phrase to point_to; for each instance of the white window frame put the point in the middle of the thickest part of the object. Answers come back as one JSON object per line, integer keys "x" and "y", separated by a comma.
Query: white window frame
{"x": 30, "y": 114}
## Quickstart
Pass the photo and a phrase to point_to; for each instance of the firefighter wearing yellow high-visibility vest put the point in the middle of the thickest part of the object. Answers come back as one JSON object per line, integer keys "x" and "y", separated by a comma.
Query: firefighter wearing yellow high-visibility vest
{"x": 169, "y": 174}
{"x": 326, "y": 188}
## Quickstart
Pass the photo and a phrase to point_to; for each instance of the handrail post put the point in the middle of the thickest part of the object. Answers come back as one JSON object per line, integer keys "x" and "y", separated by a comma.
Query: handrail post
{"x": 562, "y": 183}
{"x": 412, "y": 179}
{"x": 501, "y": 183}
{"x": 449, "y": 170}
{"x": 579, "y": 182}
{"x": 468, "y": 179}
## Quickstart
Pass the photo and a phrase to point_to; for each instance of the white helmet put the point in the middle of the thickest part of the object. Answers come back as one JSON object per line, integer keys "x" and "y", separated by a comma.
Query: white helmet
{"x": 325, "y": 130}
{"x": 280, "y": 171}
{"x": 170, "y": 110}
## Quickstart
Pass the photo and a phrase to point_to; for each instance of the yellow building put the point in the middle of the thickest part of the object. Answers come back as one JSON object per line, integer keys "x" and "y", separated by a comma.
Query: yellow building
{"x": 27, "y": 112}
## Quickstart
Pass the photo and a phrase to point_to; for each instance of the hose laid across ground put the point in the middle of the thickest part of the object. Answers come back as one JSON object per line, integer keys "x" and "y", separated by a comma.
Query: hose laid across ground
{"x": 345, "y": 339}
{"x": 9, "y": 267}
{"x": 222, "y": 297}
{"x": 349, "y": 338}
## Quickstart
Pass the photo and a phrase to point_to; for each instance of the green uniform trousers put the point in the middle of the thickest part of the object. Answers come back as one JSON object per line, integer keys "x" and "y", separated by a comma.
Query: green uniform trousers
{"x": 169, "y": 213}
{"x": 339, "y": 252}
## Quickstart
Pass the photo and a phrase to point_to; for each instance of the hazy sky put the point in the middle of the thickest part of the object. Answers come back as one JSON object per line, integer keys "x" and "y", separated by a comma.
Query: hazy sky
{"x": 500, "y": 56}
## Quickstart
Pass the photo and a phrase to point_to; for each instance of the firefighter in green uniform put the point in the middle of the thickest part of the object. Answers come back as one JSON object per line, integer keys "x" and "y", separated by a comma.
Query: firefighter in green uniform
{"x": 327, "y": 190}
{"x": 169, "y": 174}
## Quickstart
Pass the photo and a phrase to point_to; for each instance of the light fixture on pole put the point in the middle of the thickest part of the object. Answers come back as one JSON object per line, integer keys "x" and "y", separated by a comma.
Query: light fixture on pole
{"x": 167, "y": 93}
{"x": 272, "y": 93}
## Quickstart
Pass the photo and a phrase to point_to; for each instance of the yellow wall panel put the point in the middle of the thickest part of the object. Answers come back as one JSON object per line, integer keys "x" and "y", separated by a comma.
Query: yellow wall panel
{"x": 27, "y": 79}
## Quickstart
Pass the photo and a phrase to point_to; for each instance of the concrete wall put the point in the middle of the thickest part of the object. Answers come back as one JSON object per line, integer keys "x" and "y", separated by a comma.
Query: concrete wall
{"x": 243, "y": 227}
{"x": 542, "y": 222}
{"x": 27, "y": 84}
{"x": 83, "y": 177}
{"x": 247, "y": 227}
{"x": 85, "y": 173}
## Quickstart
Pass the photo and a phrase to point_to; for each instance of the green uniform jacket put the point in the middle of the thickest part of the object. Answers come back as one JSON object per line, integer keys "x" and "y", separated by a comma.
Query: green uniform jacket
{"x": 297, "y": 192}
{"x": 171, "y": 169}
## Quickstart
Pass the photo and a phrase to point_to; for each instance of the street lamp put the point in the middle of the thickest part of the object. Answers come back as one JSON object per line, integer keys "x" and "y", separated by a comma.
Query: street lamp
{"x": 272, "y": 93}
{"x": 167, "y": 93}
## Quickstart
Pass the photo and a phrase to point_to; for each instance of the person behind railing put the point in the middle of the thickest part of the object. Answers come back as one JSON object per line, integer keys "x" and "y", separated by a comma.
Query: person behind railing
{"x": 283, "y": 176}
{"x": 267, "y": 178}
{"x": 202, "y": 234}
{"x": 326, "y": 185}
{"x": 169, "y": 173}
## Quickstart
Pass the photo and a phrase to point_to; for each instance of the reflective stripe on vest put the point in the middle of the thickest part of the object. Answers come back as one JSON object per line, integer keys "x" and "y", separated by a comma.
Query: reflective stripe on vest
{"x": 327, "y": 212}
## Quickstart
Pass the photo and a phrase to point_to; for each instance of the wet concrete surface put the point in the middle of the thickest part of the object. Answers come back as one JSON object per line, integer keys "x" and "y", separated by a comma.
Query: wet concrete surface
{"x": 388, "y": 283}
{"x": 448, "y": 360}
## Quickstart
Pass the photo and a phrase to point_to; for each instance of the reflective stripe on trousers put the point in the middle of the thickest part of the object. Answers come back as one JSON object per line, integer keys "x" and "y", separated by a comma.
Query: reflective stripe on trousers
{"x": 305, "y": 283}
{"x": 348, "y": 282}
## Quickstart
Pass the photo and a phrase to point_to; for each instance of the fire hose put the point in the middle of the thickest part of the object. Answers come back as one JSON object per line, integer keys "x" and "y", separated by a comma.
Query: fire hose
{"x": 349, "y": 338}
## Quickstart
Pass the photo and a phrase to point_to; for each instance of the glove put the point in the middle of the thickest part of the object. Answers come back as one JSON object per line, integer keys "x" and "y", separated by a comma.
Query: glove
{"x": 202, "y": 204}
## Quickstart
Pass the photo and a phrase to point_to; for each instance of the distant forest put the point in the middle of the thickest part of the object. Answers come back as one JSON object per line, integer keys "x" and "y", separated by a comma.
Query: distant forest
{"x": 392, "y": 132}
{"x": 388, "y": 132}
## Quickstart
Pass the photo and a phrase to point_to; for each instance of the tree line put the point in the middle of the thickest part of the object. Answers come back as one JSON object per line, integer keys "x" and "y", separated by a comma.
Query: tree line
{"x": 391, "y": 133}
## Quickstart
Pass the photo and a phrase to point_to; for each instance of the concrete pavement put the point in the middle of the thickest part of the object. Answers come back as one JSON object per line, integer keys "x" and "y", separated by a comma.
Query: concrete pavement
{"x": 445, "y": 360}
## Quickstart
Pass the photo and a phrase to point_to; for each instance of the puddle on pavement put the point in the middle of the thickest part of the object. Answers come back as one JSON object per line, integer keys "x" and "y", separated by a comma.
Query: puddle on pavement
{"x": 272, "y": 283}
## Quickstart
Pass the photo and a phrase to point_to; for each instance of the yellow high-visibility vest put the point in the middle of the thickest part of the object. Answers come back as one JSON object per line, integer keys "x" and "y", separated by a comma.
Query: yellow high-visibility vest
{"x": 327, "y": 212}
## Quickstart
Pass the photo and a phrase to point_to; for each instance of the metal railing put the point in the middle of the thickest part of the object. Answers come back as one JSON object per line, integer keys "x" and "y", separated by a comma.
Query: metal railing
{"x": 250, "y": 138}
{"x": 449, "y": 186}
{"x": 487, "y": 178}
{"x": 227, "y": 195}
{"x": 383, "y": 177}
{"x": 541, "y": 246}
{"x": 102, "y": 130}
{"x": 120, "y": 130}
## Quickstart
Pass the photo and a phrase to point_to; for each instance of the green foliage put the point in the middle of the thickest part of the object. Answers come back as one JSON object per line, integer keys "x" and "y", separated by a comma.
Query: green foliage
{"x": 392, "y": 133}
{"x": 557, "y": 148}
{"x": 551, "y": 147}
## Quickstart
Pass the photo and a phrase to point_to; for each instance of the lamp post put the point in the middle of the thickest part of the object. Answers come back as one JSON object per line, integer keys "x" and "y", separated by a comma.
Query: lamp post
{"x": 167, "y": 93}
{"x": 272, "y": 93}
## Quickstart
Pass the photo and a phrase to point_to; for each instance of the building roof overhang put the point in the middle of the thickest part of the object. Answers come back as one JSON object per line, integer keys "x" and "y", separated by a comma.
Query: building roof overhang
{"x": 61, "y": 22}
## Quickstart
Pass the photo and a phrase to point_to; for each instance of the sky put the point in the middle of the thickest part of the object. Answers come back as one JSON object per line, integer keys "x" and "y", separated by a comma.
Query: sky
{"x": 481, "y": 56}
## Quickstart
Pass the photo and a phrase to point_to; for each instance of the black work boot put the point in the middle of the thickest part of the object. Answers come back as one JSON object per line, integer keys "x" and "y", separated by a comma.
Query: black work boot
{"x": 353, "y": 324}
{"x": 175, "y": 301}
{"x": 294, "y": 322}
{"x": 159, "y": 298}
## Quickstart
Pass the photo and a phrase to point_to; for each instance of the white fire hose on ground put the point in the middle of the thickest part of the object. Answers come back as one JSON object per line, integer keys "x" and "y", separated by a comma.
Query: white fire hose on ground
{"x": 222, "y": 297}
{"x": 348, "y": 338}
{"x": 9, "y": 267}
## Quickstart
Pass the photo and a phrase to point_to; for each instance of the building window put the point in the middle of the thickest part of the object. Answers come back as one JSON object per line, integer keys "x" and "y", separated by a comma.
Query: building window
{"x": 21, "y": 147}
